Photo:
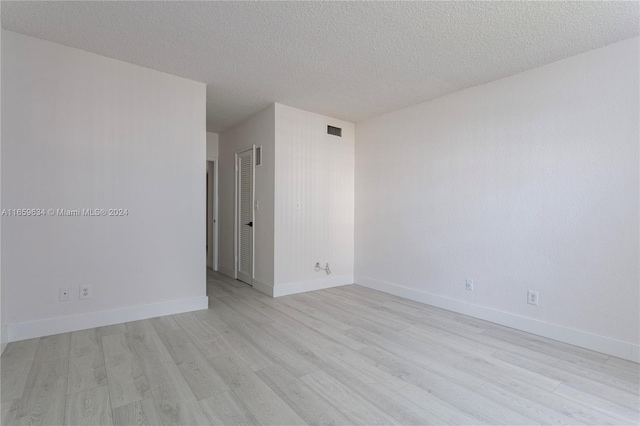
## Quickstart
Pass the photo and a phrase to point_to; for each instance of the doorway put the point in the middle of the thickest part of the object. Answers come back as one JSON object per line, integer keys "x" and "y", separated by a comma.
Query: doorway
{"x": 212, "y": 214}
{"x": 244, "y": 215}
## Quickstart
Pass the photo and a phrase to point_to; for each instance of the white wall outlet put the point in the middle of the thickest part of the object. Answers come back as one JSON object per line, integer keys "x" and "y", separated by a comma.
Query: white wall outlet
{"x": 85, "y": 292}
{"x": 532, "y": 297}
{"x": 64, "y": 294}
{"x": 469, "y": 284}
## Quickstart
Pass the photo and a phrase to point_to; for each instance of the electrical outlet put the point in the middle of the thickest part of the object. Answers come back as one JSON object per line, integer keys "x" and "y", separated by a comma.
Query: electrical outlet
{"x": 532, "y": 297}
{"x": 64, "y": 294}
{"x": 469, "y": 285}
{"x": 85, "y": 292}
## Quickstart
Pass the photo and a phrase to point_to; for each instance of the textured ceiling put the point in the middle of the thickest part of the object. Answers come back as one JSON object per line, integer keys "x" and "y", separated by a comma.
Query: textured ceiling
{"x": 349, "y": 60}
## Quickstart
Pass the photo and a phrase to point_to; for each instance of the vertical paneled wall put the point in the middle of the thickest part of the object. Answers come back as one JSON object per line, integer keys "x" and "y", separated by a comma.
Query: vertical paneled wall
{"x": 314, "y": 200}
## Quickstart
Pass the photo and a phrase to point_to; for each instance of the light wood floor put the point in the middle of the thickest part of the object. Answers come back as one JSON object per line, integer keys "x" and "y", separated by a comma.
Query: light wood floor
{"x": 347, "y": 355}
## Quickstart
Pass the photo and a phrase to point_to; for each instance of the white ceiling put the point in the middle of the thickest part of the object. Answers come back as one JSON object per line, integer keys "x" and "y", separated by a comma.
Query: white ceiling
{"x": 349, "y": 60}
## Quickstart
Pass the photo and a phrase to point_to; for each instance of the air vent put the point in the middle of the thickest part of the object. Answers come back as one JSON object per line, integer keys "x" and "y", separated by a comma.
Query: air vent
{"x": 335, "y": 131}
{"x": 258, "y": 155}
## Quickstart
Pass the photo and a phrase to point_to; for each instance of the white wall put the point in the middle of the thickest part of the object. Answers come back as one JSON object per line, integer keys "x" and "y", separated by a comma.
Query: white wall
{"x": 257, "y": 130}
{"x": 212, "y": 146}
{"x": 314, "y": 201}
{"x": 85, "y": 131}
{"x": 3, "y": 327}
{"x": 529, "y": 182}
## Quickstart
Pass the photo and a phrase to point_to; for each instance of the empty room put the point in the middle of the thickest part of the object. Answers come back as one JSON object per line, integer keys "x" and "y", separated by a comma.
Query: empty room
{"x": 350, "y": 213}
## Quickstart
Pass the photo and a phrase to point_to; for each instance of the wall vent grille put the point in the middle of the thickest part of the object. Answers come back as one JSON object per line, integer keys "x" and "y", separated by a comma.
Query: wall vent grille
{"x": 335, "y": 131}
{"x": 258, "y": 155}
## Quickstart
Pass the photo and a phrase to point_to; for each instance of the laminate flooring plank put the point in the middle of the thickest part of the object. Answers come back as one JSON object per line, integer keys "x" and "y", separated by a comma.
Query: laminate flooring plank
{"x": 580, "y": 411}
{"x": 630, "y": 366}
{"x": 86, "y": 361}
{"x": 442, "y": 316}
{"x": 174, "y": 399}
{"x": 563, "y": 413}
{"x": 503, "y": 345}
{"x": 328, "y": 334}
{"x": 126, "y": 380}
{"x": 9, "y": 412}
{"x": 243, "y": 348}
{"x": 222, "y": 305}
{"x": 441, "y": 408}
{"x": 263, "y": 306}
{"x": 391, "y": 403}
{"x": 226, "y": 281}
{"x": 139, "y": 413}
{"x": 357, "y": 409}
{"x": 605, "y": 405}
{"x": 572, "y": 380}
{"x": 265, "y": 405}
{"x": 279, "y": 313}
{"x": 53, "y": 347}
{"x": 349, "y": 319}
{"x": 383, "y": 304}
{"x": 548, "y": 346}
{"x": 43, "y": 401}
{"x": 362, "y": 366}
{"x": 144, "y": 339}
{"x": 451, "y": 341}
{"x": 188, "y": 321}
{"x": 225, "y": 408}
{"x": 88, "y": 408}
{"x": 308, "y": 305}
{"x": 199, "y": 374}
{"x": 494, "y": 370}
{"x": 404, "y": 345}
{"x": 601, "y": 375}
{"x": 305, "y": 402}
{"x": 315, "y": 354}
{"x": 448, "y": 324}
{"x": 166, "y": 323}
{"x": 208, "y": 341}
{"x": 273, "y": 348}
{"x": 464, "y": 398}
{"x": 386, "y": 319}
{"x": 608, "y": 370}
{"x": 425, "y": 316}
{"x": 356, "y": 291}
{"x": 16, "y": 363}
{"x": 432, "y": 362}
{"x": 108, "y": 330}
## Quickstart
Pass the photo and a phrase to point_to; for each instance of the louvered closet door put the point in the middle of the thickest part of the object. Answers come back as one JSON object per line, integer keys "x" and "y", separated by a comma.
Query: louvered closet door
{"x": 245, "y": 216}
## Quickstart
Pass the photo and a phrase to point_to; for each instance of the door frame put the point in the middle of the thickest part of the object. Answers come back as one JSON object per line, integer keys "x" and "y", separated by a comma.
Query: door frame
{"x": 214, "y": 213}
{"x": 236, "y": 212}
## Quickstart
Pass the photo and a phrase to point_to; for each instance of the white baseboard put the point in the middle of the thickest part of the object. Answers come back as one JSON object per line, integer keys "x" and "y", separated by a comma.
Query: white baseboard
{"x": 48, "y": 327}
{"x": 318, "y": 284}
{"x": 226, "y": 271}
{"x": 606, "y": 345}
{"x": 263, "y": 287}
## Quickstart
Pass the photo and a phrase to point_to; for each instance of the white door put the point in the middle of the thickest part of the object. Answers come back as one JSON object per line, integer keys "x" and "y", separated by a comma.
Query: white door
{"x": 245, "y": 216}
